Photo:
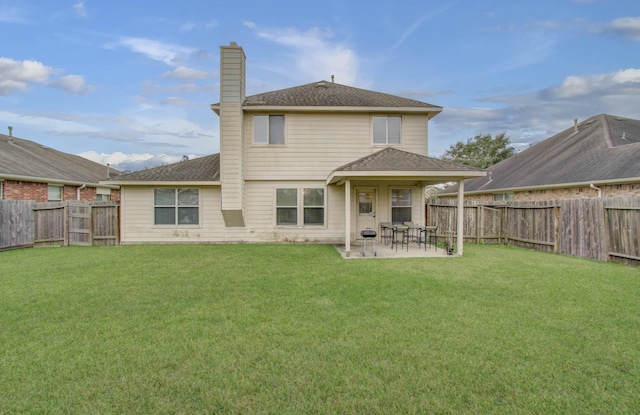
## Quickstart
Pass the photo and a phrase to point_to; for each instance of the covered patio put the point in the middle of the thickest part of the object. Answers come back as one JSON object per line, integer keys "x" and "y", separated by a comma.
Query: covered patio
{"x": 389, "y": 172}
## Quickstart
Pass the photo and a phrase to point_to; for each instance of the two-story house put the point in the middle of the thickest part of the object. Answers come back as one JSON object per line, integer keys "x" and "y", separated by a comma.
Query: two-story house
{"x": 316, "y": 163}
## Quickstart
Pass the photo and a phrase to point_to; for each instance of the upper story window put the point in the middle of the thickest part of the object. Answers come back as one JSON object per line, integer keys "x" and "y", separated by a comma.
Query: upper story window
{"x": 176, "y": 206}
{"x": 54, "y": 193}
{"x": 268, "y": 129}
{"x": 387, "y": 130}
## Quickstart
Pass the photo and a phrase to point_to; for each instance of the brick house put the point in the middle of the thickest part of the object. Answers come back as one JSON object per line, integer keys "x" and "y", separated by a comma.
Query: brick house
{"x": 31, "y": 171}
{"x": 599, "y": 157}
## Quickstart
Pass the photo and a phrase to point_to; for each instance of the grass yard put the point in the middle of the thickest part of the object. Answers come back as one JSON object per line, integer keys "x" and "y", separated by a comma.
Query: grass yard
{"x": 291, "y": 329}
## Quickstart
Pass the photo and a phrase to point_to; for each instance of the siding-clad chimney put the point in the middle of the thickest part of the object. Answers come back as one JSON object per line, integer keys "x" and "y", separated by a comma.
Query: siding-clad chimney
{"x": 232, "y": 95}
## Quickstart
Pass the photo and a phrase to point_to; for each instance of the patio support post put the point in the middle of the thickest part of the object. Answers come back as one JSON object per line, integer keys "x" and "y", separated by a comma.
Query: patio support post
{"x": 460, "y": 233}
{"x": 347, "y": 217}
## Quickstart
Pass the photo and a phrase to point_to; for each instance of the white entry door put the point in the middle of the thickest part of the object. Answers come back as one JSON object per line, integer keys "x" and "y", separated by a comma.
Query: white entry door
{"x": 366, "y": 207}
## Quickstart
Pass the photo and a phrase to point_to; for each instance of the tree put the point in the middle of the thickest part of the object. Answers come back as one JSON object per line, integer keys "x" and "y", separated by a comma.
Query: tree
{"x": 480, "y": 151}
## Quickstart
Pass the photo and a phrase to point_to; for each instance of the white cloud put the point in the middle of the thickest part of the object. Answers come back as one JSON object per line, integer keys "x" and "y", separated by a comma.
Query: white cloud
{"x": 181, "y": 102}
{"x": 622, "y": 82}
{"x": 419, "y": 23}
{"x": 315, "y": 56}
{"x": 132, "y": 161}
{"x": 12, "y": 15}
{"x": 164, "y": 52}
{"x": 16, "y": 75}
{"x": 625, "y": 27}
{"x": 189, "y": 26}
{"x": 529, "y": 118}
{"x": 186, "y": 87}
{"x": 73, "y": 84}
{"x": 79, "y": 9}
{"x": 182, "y": 72}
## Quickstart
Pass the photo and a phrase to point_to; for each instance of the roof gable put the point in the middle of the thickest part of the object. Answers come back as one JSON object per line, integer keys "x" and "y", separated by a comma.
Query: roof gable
{"x": 391, "y": 159}
{"x": 323, "y": 94}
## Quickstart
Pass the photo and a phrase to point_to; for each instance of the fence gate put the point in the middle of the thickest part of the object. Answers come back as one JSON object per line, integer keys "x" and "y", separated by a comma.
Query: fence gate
{"x": 79, "y": 223}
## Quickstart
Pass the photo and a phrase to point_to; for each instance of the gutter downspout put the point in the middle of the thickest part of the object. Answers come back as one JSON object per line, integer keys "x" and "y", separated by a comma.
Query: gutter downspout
{"x": 591, "y": 185}
{"x": 78, "y": 191}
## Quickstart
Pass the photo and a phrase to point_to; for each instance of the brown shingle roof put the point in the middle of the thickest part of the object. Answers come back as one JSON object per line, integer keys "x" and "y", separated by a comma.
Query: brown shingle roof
{"x": 604, "y": 148}
{"x": 20, "y": 157}
{"x": 202, "y": 169}
{"x": 329, "y": 94}
{"x": 391, "y": 159}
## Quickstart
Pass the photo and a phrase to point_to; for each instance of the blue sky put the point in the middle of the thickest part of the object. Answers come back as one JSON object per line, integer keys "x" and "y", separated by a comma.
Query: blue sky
{"x": 130, "y": 83}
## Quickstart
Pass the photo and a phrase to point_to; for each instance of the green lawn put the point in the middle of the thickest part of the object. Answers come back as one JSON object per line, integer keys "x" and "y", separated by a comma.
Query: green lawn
{"x": 291, "y": 329}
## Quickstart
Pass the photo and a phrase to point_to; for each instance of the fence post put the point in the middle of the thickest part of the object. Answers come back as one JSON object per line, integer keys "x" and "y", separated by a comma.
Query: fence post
{"x": 65, "y": 215}
{"x": 556, "y": 229}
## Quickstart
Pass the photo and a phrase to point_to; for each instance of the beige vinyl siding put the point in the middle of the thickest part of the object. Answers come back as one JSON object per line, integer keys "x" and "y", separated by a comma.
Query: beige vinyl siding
{"x": 138, "y": 227}
{"x": 232, "y": 94}
{"x": 316, "y": 144}
{"x": 138, "y": 217}
{"x": 260, "y": 214}
{"x": 414, "y": 134}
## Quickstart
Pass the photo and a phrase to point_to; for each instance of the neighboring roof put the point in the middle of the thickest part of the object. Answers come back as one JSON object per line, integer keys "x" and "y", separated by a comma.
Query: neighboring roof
{"x": 201, "y": 169}
{"x": 26, "y": 160}
{"x": 330, "y": 94}
{"x": 393, "y": 163}
{"x": 604, "y": 149}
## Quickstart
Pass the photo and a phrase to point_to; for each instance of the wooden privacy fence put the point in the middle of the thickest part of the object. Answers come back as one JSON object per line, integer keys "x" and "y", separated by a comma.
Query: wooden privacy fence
{"x": 606, "y": 229}
{"x": 24, "y": 223}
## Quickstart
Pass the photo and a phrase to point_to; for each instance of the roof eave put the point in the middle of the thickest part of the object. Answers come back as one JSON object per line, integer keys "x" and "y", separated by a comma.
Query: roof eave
{"x": 165, "y": 183}
{"x": 548, "y": 187}
{"x": 440, "y": 176}
{"x": 51, "y": 180}
{"x": 433, "y": 111}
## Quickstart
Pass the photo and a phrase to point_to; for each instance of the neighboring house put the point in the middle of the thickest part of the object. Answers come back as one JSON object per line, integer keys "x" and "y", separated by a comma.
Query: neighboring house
{"x": 316, "y": 163}
{"x": 31, "y": 171}
{"x": 599, "y": 157}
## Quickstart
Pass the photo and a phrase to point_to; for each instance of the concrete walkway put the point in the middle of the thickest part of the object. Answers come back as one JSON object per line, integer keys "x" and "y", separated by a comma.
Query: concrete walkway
{"x": 385, "y": 251}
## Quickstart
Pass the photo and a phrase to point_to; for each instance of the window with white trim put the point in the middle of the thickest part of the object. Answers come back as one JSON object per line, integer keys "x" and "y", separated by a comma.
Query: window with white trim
{"x": 313, "y": 205}
{"x": 268, "y": 129}
{"x": 400, "y": 206}
{"x": 387, "y": 129}
{"x": 304, "y": 206}
{"x": 54, "y": 193}
{"x": 173, "y": 206}
{"x": 103, "y": 194}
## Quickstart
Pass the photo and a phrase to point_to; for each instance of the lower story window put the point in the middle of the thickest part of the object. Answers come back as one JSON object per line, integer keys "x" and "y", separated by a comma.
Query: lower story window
{"x": 400, "y": 206}
{"x": 103, "y": 195}
{"x": 503, "y": 197}
{"x": 313, "y": 206}
{"x": 289, "y": 206}
{"x": 176, "y": 206}
{"x": 54, "y": 193}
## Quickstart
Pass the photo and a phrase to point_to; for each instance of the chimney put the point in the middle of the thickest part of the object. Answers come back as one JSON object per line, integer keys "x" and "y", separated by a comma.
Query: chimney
{"x": 10, "y": 134}
{"x": 332, "y": 78}
{"x": 232, "y": 96}
{"x": 575, "y": 125}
